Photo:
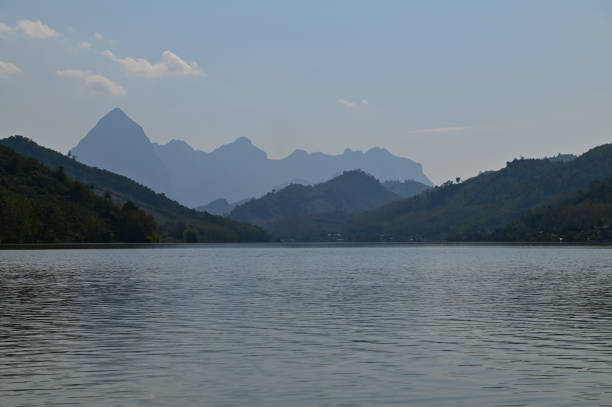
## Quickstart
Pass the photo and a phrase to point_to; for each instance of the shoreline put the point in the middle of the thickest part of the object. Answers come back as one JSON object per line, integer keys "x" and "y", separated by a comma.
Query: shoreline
{"x": 107, "y": 246}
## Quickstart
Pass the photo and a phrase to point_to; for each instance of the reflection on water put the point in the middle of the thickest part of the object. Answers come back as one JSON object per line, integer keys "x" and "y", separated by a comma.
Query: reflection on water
{"x": 236, "y": 326}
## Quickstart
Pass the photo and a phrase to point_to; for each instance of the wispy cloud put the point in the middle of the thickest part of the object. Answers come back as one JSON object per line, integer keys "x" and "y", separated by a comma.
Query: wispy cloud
{"x": 98, "y": 36}
{"x": 84, "y": 46}
{"x": 170, "y": 65}
{"x": 95, "y": 82}
{"x": 5, "y": 28}
{"x": 32, "y": 29}
{"x": 438, "y": 130}
{"x": 9, "y": 68}
{"x": 36, "y": 29}
{"x": 351, "y": 105}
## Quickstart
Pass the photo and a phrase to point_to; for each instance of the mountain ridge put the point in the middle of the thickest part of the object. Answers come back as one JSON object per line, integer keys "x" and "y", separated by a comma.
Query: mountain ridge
{"x": 233, "y": 171}
{"x": 312, "y": 167}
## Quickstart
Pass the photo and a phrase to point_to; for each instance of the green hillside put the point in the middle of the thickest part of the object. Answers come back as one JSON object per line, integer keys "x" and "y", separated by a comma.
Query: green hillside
{"x": 581, "y": 217}
{"x": 484, "y": 203}
{"x": 41, "y": 205}
{"x": 175, "y": 222}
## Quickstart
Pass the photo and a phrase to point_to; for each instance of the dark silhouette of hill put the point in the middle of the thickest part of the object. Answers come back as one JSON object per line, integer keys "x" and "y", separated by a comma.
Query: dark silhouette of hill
{"x": 406, "y": 189}
{"x": 175, "y": 222}
{"x": 350, "y": 192}
{"x": 234, "y": 171}
{"x": 480, "y": 205}
{"x": 38, "y": 205}
{"x": 580, "y": 217}
{"x": 118, "y": 144}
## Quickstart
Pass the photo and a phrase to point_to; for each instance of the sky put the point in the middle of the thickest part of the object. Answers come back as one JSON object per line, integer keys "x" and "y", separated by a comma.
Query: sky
{"x": 460, "y": 87}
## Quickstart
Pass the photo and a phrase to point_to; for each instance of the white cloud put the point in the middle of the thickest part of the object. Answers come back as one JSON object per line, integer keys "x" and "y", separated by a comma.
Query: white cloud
{"x": 346, "y": 103}
{"x": 351, "y": 105}
{"x": 36, "y": 29}
{"x": 84, "y": 45}
{"x": 438, "y": 130}
{"x": 94, "y": 81}
{"x": 98, "y": 36}
{"x": 5, "y": 28}
{"x": 170, "y": 65}
{"x": 32, "y": 29}
{"x": 8, "y": 68}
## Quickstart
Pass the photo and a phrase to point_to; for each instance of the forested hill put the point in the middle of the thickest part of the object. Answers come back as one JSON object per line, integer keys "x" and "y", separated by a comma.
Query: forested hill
{"x": 175, "y": 222}
{"x": 352, "y": 191}
{"x": 484, "y": 203}
{"x": 580, "y": 217}
{"x": 41, "y": 205}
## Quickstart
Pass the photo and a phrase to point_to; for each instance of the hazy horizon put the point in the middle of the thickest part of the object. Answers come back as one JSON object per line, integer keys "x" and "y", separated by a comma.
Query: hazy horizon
{"x": 457, "y": 87}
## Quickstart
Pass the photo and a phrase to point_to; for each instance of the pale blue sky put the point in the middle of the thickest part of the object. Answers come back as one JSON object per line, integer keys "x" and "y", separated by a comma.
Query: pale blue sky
{"x": 459, "y": 86}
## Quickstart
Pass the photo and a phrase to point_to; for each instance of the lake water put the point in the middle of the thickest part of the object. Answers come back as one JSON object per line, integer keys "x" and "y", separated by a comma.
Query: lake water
{"x": 307, "y": 326}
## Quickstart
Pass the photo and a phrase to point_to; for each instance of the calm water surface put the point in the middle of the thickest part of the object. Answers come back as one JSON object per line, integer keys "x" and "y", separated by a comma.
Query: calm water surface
{"x": 307, "y": 326}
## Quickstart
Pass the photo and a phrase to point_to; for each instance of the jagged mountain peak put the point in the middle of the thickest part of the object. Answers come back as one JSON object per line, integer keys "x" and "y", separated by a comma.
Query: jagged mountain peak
{"x": 179, "y": 145}
{"x": 243, "y": 141}
{"x": 241, "y": 146}
{"x": 116, "y": 112}
{"x": 119, "y": 119}
{"x": 119, "y": 144}
{"x": 117, "y": 127}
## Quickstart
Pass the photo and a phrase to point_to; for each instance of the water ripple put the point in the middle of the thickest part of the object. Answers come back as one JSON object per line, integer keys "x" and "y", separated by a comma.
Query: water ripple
{"x": 315, "y": 326}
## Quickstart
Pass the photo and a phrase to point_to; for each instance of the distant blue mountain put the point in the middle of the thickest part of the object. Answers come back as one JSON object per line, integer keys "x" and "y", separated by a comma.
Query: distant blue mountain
{"x": 234, "y": 171}
{"x": 120, "y": 145}
{"x": 217, "y": 207}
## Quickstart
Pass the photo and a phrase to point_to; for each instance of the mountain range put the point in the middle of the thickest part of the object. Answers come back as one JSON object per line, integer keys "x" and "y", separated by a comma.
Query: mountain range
{"x": 564, "y": 198}
{"x": 514, "y": 203}
{"x": 234, "y": 171}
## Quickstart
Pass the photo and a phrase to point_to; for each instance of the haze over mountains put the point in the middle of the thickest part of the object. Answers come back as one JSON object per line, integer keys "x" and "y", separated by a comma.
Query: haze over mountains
{"x": 234, "y": 171}
{"x": 476, "y": 209}
{"x": 525, "y": 201}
